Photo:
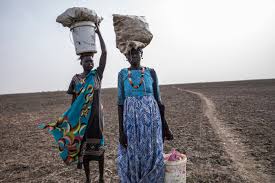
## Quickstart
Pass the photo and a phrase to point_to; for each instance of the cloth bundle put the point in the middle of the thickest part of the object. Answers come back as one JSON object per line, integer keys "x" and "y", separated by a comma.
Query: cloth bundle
{"x": 131, "y": 32}
{"x": 78, "y": 14}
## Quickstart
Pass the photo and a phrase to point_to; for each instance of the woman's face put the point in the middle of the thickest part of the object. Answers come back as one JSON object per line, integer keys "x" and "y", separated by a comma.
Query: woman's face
{"x": 87, "y": 63}
{"x": 134, "y": 57}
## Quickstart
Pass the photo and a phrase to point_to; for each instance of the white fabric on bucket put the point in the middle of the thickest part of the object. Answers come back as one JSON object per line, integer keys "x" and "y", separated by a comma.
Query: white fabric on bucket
{"x": 78, "y": 14}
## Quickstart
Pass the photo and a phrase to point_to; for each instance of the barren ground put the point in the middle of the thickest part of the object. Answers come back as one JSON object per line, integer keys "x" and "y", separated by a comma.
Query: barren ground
{"x": 227, "y": 130}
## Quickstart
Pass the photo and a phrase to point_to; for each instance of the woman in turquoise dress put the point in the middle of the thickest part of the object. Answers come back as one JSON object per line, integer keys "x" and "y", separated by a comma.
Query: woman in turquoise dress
{"x": 142, "y": 125}
{"x": 84, "y": 119}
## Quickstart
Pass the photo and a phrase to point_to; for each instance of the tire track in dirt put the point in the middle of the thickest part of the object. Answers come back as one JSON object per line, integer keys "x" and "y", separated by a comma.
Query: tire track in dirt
{"x": 246, "y": 165}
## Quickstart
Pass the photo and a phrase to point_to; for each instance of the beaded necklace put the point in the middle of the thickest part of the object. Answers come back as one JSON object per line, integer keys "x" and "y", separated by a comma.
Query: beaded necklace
{"x": 141, "y": 79}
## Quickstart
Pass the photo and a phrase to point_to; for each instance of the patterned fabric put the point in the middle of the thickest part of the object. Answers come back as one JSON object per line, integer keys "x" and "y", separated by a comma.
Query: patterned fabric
{"x": 142, "y": 160}
{"x": 96, "y": 121}
{"x": 77, "y": 80}
{"x": 70, "y": 128}
{"x": 125, "y": 89}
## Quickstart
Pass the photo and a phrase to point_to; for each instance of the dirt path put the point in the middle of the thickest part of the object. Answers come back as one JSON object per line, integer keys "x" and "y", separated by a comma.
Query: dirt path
{"x": 246, "y": 165}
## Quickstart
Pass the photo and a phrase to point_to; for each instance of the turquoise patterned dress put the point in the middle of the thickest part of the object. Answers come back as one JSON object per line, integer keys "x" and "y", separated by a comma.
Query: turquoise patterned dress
{"x": 142, "y": 160}
{"x": 82, "y": 120}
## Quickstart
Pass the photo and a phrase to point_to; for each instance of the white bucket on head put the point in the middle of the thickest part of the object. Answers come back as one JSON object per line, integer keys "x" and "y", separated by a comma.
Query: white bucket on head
{"x": 84, "y": 37}
{"x": 175, "y": 171}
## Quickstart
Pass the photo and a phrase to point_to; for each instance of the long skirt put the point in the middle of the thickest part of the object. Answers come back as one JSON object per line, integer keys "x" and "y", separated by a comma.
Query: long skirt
{"x": 142, "y": 160}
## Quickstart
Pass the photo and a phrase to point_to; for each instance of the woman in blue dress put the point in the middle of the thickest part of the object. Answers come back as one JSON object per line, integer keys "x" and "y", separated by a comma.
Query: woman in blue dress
{"x": 142, "y": 125}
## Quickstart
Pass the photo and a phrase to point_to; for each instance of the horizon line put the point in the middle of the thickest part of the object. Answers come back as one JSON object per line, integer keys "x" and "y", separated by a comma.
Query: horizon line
{"x": 202, "y": 82}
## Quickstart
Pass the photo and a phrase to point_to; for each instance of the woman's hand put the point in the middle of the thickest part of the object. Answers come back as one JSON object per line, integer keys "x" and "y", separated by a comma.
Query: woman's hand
{"x": 168, "y": 134}
{"x": 123, "y": 140}
{"x": 97, "y": 28}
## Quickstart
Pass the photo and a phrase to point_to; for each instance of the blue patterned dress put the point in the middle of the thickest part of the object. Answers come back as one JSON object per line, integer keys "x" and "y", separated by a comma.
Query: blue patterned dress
{"x": 142, "y": 160}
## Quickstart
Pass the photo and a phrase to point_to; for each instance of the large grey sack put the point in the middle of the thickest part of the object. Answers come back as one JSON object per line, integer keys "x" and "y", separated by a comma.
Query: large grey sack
{"x": 131, "y": 32}
{"x": 77, "y": 14}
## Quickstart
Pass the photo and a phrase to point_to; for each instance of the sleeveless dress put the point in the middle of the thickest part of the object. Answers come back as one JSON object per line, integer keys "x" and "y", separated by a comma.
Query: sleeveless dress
{"x": 142, "y": 160}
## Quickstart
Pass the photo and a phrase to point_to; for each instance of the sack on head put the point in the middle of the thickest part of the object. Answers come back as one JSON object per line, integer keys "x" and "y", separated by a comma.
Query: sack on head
{"x": 131, "y": 32}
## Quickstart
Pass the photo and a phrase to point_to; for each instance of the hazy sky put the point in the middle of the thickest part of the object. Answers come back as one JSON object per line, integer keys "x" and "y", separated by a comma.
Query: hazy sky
{"x": 194, "y": 41}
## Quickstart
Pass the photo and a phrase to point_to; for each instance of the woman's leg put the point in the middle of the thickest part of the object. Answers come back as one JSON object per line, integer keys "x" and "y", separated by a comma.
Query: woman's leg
{"x": 87, "y": 170}
{"x": 80, "y": 156}
{"x": 101, "y": 169}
